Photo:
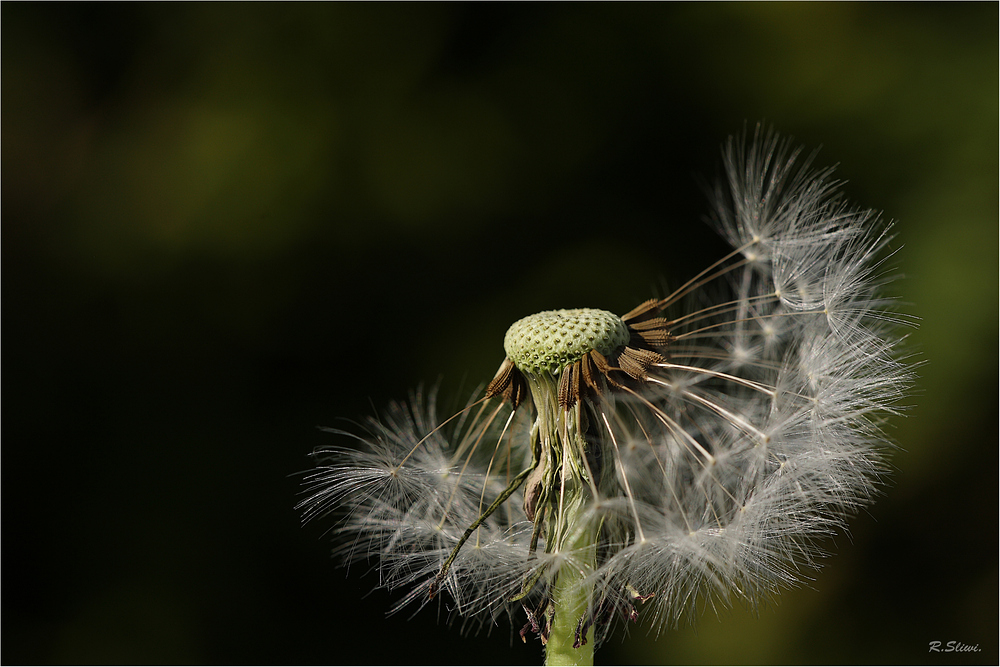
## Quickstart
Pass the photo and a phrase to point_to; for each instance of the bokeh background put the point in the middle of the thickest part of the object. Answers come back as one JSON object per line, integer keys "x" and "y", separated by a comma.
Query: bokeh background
{"x": 226, "y": 225}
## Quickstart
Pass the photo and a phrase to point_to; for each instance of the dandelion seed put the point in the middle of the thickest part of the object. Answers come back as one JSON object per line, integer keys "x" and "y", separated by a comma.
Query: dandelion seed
{"x": 692, "y": 448}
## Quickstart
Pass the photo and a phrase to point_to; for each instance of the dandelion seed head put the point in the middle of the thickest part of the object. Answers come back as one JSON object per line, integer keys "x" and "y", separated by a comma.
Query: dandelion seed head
{"x": 691, "y": 451}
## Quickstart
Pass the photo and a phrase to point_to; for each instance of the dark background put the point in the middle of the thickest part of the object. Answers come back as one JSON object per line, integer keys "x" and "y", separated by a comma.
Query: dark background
{"x": 224, "y": 225}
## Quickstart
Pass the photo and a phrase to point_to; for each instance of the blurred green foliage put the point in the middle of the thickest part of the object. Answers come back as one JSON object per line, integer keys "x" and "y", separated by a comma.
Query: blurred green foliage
{"x": 224, "y": 224}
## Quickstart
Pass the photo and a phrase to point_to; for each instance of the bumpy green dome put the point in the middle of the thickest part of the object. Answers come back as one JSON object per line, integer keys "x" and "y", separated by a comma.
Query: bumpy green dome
{"x": 548, "y": 342}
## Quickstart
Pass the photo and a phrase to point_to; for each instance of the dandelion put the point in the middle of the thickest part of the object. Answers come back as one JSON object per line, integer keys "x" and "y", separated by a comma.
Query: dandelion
{"x": 694, "y": 448}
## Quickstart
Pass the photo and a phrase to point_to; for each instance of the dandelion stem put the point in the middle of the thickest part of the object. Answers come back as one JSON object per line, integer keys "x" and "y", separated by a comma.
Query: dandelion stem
{"x": 572, "y": 595}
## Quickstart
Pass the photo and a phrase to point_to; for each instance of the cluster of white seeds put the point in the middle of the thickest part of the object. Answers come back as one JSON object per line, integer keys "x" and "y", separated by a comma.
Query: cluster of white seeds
{"x": 758, "y": 433}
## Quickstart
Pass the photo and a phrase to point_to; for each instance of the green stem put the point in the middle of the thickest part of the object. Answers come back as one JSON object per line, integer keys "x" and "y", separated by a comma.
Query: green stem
{"x": 572, "y": 601}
